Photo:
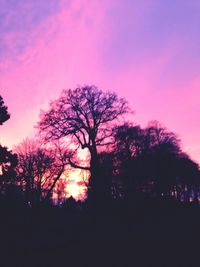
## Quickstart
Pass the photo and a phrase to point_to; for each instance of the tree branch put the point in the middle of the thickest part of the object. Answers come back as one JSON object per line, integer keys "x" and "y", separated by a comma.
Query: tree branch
{"x": 77, "y": 166}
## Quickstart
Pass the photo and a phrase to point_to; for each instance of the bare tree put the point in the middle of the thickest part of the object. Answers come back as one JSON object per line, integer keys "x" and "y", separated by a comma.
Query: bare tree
{"x": 86, "y": 115}
{"x": 39, "y": 169}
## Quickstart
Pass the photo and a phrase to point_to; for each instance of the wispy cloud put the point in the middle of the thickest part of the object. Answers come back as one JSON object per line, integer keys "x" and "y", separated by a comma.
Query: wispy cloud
{"x": 147, "y": 50}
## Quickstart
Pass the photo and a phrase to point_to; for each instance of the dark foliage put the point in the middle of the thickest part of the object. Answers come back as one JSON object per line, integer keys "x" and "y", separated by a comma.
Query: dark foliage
{"x": 4, "y": 115}
{"x": 150, "y": 160}
{"x": 8, "y": 163}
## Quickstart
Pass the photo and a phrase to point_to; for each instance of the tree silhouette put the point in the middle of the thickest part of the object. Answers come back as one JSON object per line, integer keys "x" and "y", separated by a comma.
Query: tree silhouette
{"x": 108, "y": 178}
{"x": 39, "y": 169}
{"x": 8, "y": 162}
{"x": 188, "y": 172}
{"x": 87, "y": 116}
{"x": 4, "y": 115}
{"x": 187, "y": 178}
{"x": 161, "y": 153}
{"x": 128, "y": 140}
{"x": 128, "y": 147}
{"x": 146, "y": 157}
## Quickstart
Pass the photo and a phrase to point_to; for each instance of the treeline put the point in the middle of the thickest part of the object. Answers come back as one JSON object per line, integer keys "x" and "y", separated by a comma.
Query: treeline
{"x": 122, "y": 160}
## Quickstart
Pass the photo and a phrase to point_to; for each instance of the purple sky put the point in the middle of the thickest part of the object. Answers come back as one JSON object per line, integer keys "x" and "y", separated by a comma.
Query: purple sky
{"x": 148, "y": 51}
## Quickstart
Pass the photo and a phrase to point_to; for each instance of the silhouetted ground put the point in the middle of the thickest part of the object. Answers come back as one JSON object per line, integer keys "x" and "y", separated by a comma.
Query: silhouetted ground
{"x": 156, "y": 234}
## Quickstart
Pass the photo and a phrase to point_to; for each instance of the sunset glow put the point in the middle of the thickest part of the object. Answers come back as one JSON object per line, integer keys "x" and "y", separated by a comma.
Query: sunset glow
{"x": 99, "y": 132}
{"x": 75, "y": 191}
{"x": 72, "y": 184}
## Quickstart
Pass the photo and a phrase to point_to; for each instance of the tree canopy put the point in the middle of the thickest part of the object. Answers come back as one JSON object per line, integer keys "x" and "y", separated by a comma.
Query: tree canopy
{"x": 86, "y": 115}
{"x": 8, "y": 160}
{"x": 4, "y": 115}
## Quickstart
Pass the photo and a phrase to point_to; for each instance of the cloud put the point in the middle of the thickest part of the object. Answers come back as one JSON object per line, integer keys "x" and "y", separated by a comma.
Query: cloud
{"x": 144, "y": 50}
{"x": 49, "y": 63}
{"x": 19, "y": 19}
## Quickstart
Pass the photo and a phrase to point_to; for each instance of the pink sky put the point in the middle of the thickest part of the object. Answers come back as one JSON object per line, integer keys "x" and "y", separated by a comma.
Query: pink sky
{"x": 147, "y": 51}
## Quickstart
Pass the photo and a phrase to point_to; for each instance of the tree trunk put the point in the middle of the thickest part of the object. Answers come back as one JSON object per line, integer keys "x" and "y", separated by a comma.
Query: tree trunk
{"x": 94, "y": 190}
{"x": 97, "y": 191}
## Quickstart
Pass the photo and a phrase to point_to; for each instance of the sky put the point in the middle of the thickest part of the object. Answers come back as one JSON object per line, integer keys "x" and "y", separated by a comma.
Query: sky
{"x": 147, "y": 51}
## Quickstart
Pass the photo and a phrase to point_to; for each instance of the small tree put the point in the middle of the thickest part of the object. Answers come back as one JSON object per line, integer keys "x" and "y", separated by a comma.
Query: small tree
{"x": 8, "y": 163}
{"x": 8, "y": 160}
{"x": 4, "y": 115}
{"x": 39, "y": 169}
{"x": 86, "y": 115}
